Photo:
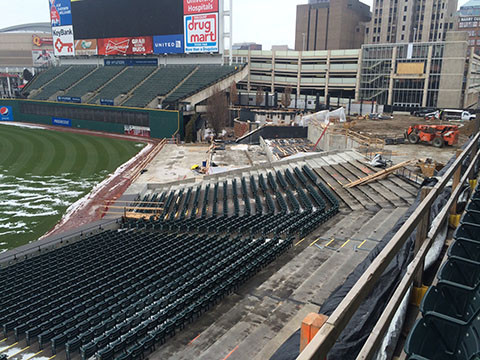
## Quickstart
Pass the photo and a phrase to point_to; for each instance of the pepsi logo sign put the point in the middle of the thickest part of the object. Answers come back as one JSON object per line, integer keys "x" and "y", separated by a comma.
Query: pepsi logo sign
{"x": 6, "y": 113}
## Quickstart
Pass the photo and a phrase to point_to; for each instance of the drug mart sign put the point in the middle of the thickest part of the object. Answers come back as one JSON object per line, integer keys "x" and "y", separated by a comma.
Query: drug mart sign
{"x": 201, "y": 33}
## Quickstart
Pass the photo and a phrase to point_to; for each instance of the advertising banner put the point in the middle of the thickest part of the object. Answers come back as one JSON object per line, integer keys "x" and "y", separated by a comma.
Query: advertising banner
{"x": 131, "y": 62}
{"x": 126, "y": 46}
{"x": 6, "y": 113}
{"x": 42, "y": 57}
{"x": 60, "y": 12}
{"x": 86, "y": 47}
{"x": 61, "y": 122}
{"x": 199, "y": 6}
{"x": 39, "y": 41}
{"x": 71, "y": 99}
{"x": 168, "y": 44}
{"x": 63, "y": 40}
{"x": 107, "y": 102}
{"x": 201, "y": 33}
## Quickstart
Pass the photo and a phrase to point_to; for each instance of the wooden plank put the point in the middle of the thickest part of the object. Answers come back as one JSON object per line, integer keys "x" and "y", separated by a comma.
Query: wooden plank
{"x": 391, "y": 197}
{"x": 422, "y": 233}
{"x": 388, "y": 183}
{"x": 366, "y": 193}
{"x": 456, "y": 182}
{"x": 326, "y": 337}
{"x": 379, "y": 173}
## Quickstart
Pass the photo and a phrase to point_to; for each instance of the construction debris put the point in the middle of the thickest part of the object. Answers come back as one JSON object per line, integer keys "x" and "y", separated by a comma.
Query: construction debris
{"x": 378, "y": 176}
{"x": 285, "y": 147}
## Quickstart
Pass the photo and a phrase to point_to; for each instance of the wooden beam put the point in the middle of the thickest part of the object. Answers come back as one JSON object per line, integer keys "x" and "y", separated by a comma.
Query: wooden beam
{"x": 422, "y": 233}
{"x": 379, "y": 174}
{"x": 319, "y": 347}
{"x": 456, "y": 182}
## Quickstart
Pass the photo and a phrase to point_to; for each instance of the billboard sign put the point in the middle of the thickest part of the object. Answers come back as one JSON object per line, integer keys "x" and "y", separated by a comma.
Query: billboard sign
{"x": 63, "y": 40}
{"x": 199, "y": 6}
{"x": 131, "y": 62}
{"x": 39, "y": 41}
{"x": 61, "y": 122}
{"x": 126, "y": 46}
{"x": 86, "y": 47}
{"x": 42, "y": 57}
{"x": 168, "y": 44}
{"x": 201, "y": 33}
{"x": 71, "y": 99}
{"x": 6, "y": 113}
{"x": 60, "y": 12}
{"x": 109, "y": 102}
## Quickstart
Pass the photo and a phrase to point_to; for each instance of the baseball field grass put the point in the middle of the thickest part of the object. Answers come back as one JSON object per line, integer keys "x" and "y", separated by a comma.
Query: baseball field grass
{"x": 43, "y": 172}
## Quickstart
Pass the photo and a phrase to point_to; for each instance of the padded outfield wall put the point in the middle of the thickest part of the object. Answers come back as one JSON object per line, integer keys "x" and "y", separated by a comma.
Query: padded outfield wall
{"x": 162, "y": 123}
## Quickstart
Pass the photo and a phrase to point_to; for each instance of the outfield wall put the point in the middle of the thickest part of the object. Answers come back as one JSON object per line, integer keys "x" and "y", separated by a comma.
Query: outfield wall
{"x": 162, "y": 123}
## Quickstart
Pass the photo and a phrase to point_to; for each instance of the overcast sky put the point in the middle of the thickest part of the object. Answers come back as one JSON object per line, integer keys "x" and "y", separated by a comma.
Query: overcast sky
{"x": 268, "y": 22}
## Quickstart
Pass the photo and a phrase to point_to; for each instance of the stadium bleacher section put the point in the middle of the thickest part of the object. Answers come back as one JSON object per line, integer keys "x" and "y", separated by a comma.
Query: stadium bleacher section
{"x": 118, "y": 294}
{"x": 63, "y": 82}
{"x": 159, "y": 84}
{"x": 204, "y": 77}
{"x": 450, "y": 326}
{"x": 44, "y": 77}
{"x": 123, "y": 83}
{"x": 94, "y": 81}
{"x": 175, "y": 82}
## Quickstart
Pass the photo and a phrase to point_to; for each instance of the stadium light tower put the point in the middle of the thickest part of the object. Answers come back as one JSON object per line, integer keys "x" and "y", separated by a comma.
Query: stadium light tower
{"x": 224, "y": 15}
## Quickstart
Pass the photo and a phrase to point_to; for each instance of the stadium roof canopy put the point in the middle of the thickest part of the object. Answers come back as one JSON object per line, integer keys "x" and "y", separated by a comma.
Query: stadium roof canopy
{"x": 43, "y": 27}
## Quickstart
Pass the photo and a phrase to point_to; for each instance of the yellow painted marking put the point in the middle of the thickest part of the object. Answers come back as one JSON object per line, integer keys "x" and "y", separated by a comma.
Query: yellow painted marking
{"x": 186, "y": 214}
{"x": 52, "y": 357}
{"x": 313, "y": 243}
{"x": 8, "y": 347}
{"x": 196, "y": 212}
{"x": 18, "y": 352}
{"x": 3, "y": 340}
{"x": 299, "y": 242}
{"x": 345, "y": 243}
{"x": 329, "y": 242}
{"x": 330, "y": 185}
{"x": 38, "y": 353}
{"x": 363, "y": 242}
{"x": 176, "y": 214}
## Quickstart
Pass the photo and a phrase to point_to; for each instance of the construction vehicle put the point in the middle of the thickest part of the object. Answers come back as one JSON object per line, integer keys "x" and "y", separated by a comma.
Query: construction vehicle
{"x": 437, "y": 135}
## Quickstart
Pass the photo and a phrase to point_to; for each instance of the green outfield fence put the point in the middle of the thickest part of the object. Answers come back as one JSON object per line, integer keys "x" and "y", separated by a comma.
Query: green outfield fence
{"x": 162, "y": 123}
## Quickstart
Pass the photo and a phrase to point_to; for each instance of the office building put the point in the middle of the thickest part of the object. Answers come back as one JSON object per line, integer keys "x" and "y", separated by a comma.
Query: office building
{"x": 402, "y": 21}
{"x": 469, "y": 21}
{"x": 331, "y": 25}
{"x": 406, "y": 76}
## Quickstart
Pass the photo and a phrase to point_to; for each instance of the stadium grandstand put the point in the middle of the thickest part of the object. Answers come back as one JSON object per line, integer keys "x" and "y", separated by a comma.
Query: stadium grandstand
{"x": 134, "y": 86}
{"x": 151, "y": 277}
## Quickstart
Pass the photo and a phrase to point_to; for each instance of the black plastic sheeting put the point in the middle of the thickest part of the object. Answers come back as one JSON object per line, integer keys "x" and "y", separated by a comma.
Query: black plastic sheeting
{"x": 358, "y": 329}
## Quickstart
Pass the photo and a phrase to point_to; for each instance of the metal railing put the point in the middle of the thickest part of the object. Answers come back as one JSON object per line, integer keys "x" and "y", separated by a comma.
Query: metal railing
{"x": 326, "y": 337}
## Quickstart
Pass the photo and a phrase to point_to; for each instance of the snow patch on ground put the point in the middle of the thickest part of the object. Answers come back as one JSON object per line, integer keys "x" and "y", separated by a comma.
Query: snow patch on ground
{"x": 87, "y": 199}
{"x": 23, "y": 125}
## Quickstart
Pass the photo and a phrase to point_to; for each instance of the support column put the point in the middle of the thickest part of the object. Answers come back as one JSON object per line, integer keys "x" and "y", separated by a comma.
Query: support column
{"x": 427, "y": 76}
{"x": 359, "y": 75}
{"x": 249, "y": 77}
{"x": 299, "y": 72}
{"x": 467, "y": 85}
{"x": 327, "y": 77}
{"x": 272, "y": 84}
{"x": 392, "y": 74}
